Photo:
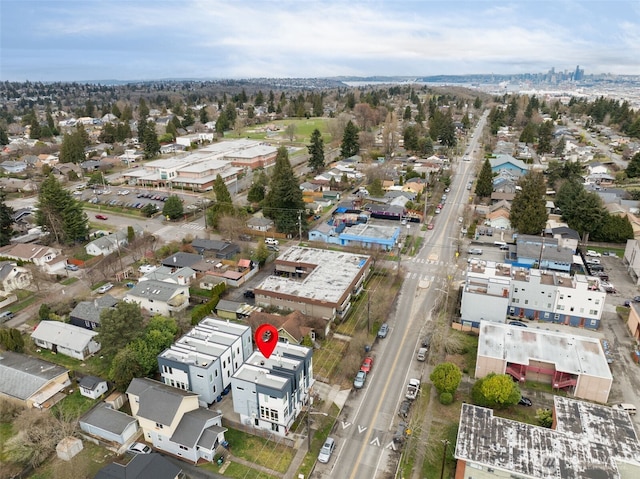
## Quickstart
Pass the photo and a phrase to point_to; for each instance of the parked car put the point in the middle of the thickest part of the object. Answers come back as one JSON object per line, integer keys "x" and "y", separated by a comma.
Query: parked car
{"x": 71, "y": 267}
{"x": 104, "y": 288}
{"x": 593, "y": 253}
{"x": 525, "y": 402}
{"x": 518, "y": 323}
{"x": 383, "y": 331}
{"x": 430, "y": 226}
{"x": 592, "y": 261}
{"x": 358, "y": 382}
{"x": 249, "y": 294}
{"x": 367, "y": 364}
{"x": 6, "y": 316}
{"x": 474, "y": 251}
{"x": 139, "y": 448}
{"x": 326, "y": 450}
{"x": 405, "y": 405}
{"x": 102, "y": 217}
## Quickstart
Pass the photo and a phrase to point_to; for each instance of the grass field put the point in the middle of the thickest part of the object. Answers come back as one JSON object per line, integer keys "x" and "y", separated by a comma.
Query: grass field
{"x": 303, "y": 129}
{"x": 269, "y": 454}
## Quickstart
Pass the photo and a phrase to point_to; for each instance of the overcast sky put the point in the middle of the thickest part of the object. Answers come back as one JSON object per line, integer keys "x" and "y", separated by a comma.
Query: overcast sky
{"x": 151, "y": 39}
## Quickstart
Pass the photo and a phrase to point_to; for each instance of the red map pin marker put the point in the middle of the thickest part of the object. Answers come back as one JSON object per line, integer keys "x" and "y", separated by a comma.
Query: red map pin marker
{"x": 266, "y": 338}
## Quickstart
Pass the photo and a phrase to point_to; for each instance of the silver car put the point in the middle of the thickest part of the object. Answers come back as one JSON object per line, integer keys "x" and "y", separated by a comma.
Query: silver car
{"x": 326, "y": 451}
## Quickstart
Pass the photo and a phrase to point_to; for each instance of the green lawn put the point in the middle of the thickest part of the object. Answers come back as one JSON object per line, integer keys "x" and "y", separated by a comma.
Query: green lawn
{"x": 304, "y": 128}
{"x": 6, "y": 431}
{"x": 237, "y": 471}
{"x": 20, "y": 305}
{"x": 74, "y": 405}
{"x": 68, "y": 281}
{"x": 269, "y": 454}
{"x": 324, "y": 425}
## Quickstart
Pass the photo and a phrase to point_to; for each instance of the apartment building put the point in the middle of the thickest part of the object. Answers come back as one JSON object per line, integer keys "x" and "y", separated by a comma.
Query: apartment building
{"x": 497, "y": 291}
{"x": 316, "y": 282}
{"x": 269, "y": 393}
{"x": 204, "y": 360}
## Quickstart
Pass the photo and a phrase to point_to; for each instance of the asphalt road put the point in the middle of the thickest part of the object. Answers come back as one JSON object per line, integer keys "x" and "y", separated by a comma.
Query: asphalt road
{"x": 364, "y": 432}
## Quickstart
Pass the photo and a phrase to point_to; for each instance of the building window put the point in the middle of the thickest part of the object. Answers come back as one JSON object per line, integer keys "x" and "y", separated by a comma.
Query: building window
{"x": 556, "y": 316}
{"x": 159, "y": 426}
{"x": 593, "y": 311}
{"x": 183, "y": 448}
{"x": 560, "y": 307}
{"x": 546, "y": 315}
{"x": 526, "y": 301}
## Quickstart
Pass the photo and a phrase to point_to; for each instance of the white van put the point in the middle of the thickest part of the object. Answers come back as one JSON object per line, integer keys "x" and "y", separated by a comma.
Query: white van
{"x": 630, "y": 408}
{"x": 422, "y": 354}
{"x": 271, "y": 241}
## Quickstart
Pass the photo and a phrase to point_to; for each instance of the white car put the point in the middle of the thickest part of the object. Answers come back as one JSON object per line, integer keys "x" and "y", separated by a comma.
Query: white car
{"x": 104, "y": 288}
{"x": 147, "y": 268}
{"x": 139, "y": 448}
{"x": 593, "y": 253}
{"x": 593, "y": 261}
{"x": 326, "y": 451}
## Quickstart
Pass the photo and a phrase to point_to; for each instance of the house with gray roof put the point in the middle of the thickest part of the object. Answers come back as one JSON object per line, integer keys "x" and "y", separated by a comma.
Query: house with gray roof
{"x": 170, "y": 275}
{"x": 142, "y": 466}
{"x": 110, "y": 425}
{"x": 93, "y": 387}
{"x": 219, "y": 249}
{"x": 13, "y": 277}
{"x": 112, "y": 242}
{"x": 31, "y": 381}
{"x": 67, "y": 339}
{"x": 173, "y": 422}
{"x": 159, "y": 297}
{"x": 86, "y": 314}
{"x": 260, "y": 223}
{"x": 181, "y": 260}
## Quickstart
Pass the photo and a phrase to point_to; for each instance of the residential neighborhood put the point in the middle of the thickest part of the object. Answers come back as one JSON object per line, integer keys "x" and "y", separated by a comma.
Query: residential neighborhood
{"x": 461, "y": 277}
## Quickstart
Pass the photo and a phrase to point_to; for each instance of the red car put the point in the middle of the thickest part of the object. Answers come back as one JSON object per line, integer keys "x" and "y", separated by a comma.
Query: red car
{"x": 101, "y": 217}
{"x": 430, "y": 226}
{"x": 367, "y": 364}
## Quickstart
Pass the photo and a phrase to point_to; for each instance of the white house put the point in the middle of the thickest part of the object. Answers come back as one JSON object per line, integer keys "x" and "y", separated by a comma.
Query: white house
{"x": 92, "y": 387}
{"x": 159, "y": 297}
{"x": 66, "y": 339}
{"x": 112, "y": 242}
{"x": 268, "y": 393}
{"x": 172, "y": 421}
{"x": 204, "y": 359}
{"x": 13, "y": 277}
{"x": 45, "y": 257}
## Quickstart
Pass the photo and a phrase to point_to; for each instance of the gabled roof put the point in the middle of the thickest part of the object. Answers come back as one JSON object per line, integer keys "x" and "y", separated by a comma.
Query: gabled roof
{"x": 90, "y": 310}
{"x": 90, "y": 382}
{"x": 108, "y": 419}
{"x": 158, "y": 402}
{"x": 181, "y": 260}
{"x": 501, "y": 159}
{"x": 63, "y": 334}
{"x": 22, "y": 376}
{"x": 142, "y": 466}
{"x": 192, "y": 426}
{"x": 156, "y": 290}
{"x": 26, "y": 251}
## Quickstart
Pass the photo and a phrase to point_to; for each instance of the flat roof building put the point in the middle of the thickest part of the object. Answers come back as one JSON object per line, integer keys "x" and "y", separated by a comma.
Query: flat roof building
{"x": 315, "y": 282}
{"x": 577, "y": 364}
{"x": 588, "y": 441}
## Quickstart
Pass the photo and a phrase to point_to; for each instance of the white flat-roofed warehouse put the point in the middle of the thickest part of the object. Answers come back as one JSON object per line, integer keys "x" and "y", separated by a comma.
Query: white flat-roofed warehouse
{"x": 316, "y": 282}
{"x": 588, "y": 441}
{"x": 574, "y": 363}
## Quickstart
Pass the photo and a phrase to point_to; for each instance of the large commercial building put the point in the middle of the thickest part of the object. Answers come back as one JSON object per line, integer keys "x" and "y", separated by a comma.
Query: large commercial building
{"x": 587, "y": 441}
{"x": 269, "y": 393}
{"x": 204, "y": 359}
{"x": 576, "y": 364}
{"x": 497, "y": 291}
{"x": 316, "y": 282}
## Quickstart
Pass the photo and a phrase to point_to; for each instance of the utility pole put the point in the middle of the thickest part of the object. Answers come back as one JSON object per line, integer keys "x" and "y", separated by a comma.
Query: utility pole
{"x": 300, "y": 224}
{"x": 445, "y": 443}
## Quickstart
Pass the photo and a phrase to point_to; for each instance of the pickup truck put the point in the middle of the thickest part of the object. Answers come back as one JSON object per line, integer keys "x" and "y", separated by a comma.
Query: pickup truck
{"x": 412, "y": 389}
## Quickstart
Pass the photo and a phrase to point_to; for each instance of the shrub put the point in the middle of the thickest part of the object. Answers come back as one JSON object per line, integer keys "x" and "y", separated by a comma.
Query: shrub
{"x": 446, "y": 398}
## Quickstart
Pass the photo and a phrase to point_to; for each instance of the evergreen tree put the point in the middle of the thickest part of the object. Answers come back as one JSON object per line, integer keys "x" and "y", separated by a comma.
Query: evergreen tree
{"x": 171, "y": 130}
{"x": 528, "y": 210}
{"x": 258, "y": 189}
{"x": 484, "y": 186}
{"x": 283, "y": 203}
{"x": 50, "y": 123}
{"x": 72, "y": 148}
{"x": 477, "y": 103}
{"x": 259, "y": 98}
{"x": 151, "y": 143}
{"x": 6, "y": 220}
{"x": 223, "y": 206}
{"x": 349, "y": 145}
{"x": 118, "y": 327}
{"x": 143, "y": 110}
{"x": 316, "y": 152}
{"x": 528, "y": 134}
{"x": 189, "y": 119}
{"x": 545, "y": 134}
{"x": 173, "y": 207}
{"x": 204, "y": 115}
{"x": 60, "y": 214}
{"x": 35, "y": 132}
{"x": 4, "y": 138}
{"x": 633, "y": 167}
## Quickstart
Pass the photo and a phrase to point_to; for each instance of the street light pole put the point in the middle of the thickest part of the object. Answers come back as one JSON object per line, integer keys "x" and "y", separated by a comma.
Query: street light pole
{"x": 445, "y": 443}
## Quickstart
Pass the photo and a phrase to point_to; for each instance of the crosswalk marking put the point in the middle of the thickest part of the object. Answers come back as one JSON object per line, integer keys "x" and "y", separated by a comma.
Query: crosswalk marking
{"x": 194, "y": 226}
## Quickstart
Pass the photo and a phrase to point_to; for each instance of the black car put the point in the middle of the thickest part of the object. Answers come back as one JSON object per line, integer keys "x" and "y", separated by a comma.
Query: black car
{"x": 525, "y": 402}
{"x": 249, "y": 294}
{"x": 404, "y": 408}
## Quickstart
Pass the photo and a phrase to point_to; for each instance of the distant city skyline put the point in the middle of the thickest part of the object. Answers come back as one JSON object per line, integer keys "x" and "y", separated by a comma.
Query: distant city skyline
{"x": 77, "y": 40}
